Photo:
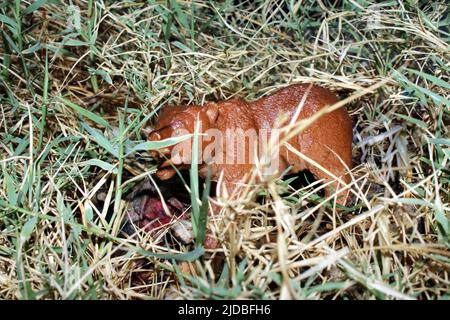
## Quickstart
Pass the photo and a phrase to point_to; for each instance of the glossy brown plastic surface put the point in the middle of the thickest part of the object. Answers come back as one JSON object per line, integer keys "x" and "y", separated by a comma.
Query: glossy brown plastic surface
{"x": 328, "y": 141}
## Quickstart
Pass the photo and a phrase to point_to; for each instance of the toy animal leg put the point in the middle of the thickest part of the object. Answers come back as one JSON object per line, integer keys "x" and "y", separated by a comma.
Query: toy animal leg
{"x": 233, "y": 177}
{"x": 335, "y": 186}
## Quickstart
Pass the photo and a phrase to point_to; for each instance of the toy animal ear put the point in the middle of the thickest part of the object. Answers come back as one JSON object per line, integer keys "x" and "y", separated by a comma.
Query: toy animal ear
{"x": 212, "y": 111}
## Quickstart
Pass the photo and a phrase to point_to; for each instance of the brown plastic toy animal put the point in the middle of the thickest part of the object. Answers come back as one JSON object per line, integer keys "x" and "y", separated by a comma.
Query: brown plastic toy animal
{"x": 328, "y": 141}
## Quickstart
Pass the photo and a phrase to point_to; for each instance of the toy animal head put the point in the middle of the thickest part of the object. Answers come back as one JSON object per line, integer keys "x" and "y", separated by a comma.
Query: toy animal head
{"x": 175, "y": 121}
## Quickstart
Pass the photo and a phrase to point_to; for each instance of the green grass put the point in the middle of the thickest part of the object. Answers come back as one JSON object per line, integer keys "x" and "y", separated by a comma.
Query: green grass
{"x": 79, "y": 84}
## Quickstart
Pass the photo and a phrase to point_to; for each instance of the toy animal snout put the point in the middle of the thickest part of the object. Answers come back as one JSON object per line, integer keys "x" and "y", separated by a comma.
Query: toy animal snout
{"x": 161, "y": 133}
{"x": 154, "y": 136}
{"x": 158, "y": 135}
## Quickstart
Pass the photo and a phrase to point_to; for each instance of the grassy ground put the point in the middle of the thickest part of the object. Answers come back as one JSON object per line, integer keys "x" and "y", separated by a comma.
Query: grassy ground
{"x": 79, "y": 82}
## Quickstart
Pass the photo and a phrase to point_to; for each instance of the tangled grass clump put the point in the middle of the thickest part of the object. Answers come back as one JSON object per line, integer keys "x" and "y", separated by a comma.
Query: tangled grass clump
{"x": 80, "y": 83}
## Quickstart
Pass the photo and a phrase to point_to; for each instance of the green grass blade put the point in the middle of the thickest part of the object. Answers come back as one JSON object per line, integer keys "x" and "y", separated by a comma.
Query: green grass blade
{"x": 431, "y": 78}
{"x": 34, "y": 6}
{"x": 101, "y": 140}
{"x": 194, "y": 184}
{"x": 85, "y": 113}
{"x": 203, "y": 212}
